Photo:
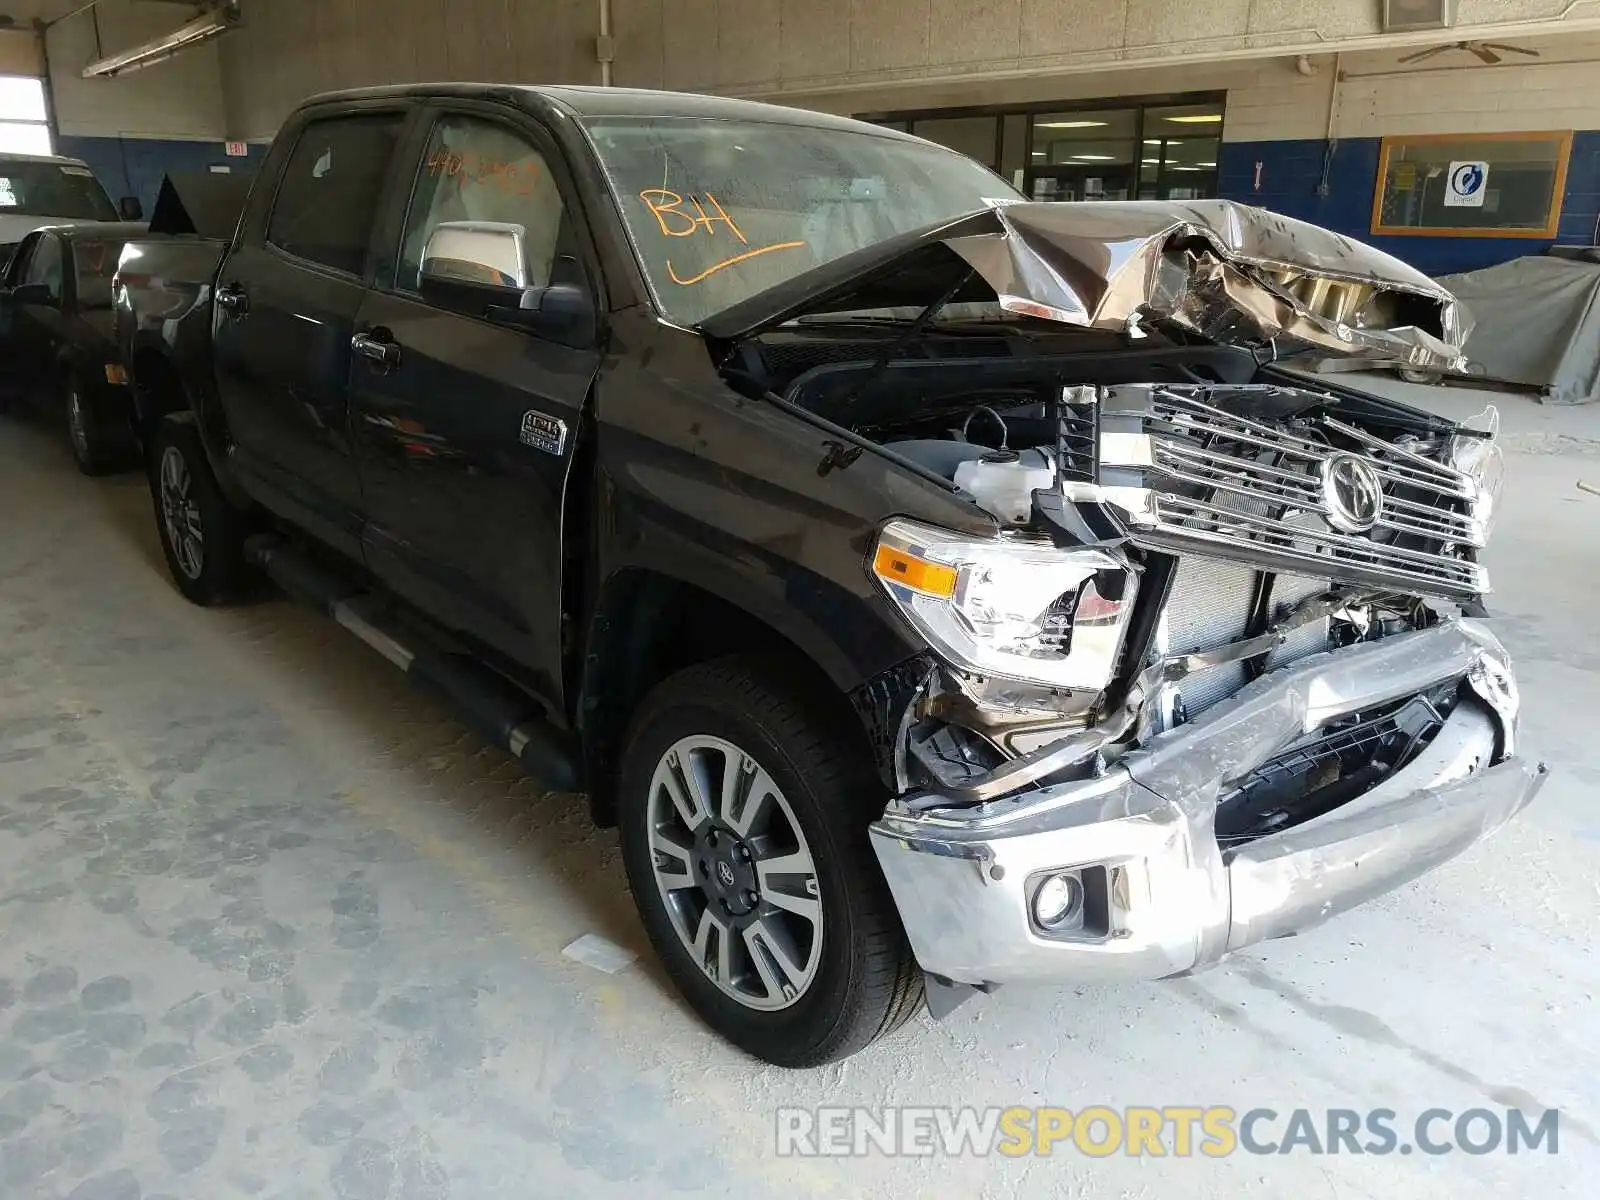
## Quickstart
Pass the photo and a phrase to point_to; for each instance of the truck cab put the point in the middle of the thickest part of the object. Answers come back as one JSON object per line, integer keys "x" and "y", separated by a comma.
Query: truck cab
{"x": 937, "y": 590}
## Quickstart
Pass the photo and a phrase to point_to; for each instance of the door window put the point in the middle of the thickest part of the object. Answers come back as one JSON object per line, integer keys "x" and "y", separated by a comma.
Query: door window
{"x": 45, "y": 266}
{"x": 475, "y": 170}
{"x": 328, "y": 198}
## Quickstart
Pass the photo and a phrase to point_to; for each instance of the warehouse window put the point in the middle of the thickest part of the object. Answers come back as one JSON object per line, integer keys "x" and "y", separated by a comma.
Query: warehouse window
{"x": 24, "y": 122}
{"x": 1472, "y": 185}
{"x": 1149, "y": 148}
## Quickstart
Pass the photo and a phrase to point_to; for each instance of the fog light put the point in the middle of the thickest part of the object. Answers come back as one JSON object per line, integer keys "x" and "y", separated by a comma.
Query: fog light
{"x": 1058, "y": 902}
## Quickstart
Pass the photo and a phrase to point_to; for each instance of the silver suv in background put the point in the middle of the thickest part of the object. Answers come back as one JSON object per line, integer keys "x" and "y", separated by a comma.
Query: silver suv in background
{"x": 37, "y": 190}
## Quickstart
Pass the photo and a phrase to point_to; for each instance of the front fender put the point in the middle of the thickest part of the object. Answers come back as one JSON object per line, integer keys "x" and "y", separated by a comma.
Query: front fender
{"x": 751, "y": 503}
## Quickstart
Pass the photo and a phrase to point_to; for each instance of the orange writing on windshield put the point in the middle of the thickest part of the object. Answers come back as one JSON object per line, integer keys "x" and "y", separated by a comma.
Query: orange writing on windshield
{"x": 728, "y": 262}
{"x": 679, "y": 222}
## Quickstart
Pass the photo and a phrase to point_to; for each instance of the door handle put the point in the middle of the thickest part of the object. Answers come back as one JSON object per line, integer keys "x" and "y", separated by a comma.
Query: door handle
{"x": 383, "y": 353}
{"x": 233, "y": 300}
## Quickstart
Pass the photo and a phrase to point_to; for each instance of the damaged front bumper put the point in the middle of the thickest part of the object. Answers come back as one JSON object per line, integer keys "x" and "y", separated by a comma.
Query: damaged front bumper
{"x": 1157, "y": 894}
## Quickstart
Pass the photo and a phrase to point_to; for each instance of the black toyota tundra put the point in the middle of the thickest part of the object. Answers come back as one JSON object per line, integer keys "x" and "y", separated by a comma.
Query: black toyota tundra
{"x": 937, "y": 589}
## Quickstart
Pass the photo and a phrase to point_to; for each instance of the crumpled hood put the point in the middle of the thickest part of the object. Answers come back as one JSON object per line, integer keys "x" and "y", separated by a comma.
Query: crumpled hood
{"x": 1226, "y": 271}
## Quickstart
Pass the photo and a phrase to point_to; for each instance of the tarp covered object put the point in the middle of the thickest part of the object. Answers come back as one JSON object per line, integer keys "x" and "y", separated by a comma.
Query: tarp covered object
{"x": 1536, "y": 321}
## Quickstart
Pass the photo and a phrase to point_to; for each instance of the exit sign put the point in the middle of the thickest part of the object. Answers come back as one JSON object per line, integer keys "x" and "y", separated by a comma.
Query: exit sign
{"x": 237, "y": 149}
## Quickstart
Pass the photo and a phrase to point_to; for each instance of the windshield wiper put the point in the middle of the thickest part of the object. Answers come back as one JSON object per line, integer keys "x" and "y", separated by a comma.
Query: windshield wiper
{"x": 913, "y": 330}
{"x": 844, "y": 319}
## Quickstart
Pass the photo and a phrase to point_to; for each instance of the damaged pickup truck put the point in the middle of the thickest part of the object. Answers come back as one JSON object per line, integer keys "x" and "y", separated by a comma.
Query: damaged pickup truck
{"x": 938, "y": 590}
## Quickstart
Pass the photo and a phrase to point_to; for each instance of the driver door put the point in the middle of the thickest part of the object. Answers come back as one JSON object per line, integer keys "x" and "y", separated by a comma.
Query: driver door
{"x": 464, "y": 427}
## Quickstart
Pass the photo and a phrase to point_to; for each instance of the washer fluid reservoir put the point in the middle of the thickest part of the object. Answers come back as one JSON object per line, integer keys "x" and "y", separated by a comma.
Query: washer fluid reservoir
{"x": 1003, "y": 482}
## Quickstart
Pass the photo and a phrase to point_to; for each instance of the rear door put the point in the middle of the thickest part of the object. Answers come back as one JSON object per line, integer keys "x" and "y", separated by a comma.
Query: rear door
{"x": 285, "y": 307}
{"x": 466, "y": 428}
{"x": 30, "y": 332}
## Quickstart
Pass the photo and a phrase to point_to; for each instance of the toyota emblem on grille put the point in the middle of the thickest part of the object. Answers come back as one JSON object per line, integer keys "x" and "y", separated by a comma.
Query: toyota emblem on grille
{"x": 1351, "y": 492}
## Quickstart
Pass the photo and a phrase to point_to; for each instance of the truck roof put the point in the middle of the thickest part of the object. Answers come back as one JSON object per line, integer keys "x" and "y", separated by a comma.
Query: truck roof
{"x": 61, "y": 160}
{"x": 616, "y": 102}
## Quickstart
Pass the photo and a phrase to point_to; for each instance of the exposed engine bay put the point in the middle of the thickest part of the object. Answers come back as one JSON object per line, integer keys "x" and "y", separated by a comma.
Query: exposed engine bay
{"x": 1223, "y": 518}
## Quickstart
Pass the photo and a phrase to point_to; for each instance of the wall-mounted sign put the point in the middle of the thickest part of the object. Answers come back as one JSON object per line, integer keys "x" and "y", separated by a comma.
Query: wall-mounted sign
{"x": 237, "y": 149}
{"x": 1472, "y": 184}
{"x": 1465, "y": 184}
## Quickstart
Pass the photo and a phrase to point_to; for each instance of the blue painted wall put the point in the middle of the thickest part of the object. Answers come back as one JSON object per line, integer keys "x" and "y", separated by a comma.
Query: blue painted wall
{"x": 1292, "y": 170}
{"x": 136, "y": 166}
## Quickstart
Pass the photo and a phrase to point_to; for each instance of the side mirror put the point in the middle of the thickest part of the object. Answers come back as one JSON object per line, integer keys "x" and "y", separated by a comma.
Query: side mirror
{"x": 481, "y": 267}
{"x": 130, "y": 209}
{"x": 475, "y": 260}
{"x": 33, "y": 293}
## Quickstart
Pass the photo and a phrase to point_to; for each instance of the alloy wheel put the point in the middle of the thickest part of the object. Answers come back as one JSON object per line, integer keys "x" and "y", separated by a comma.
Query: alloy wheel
{"x": 735, "y": 872}
{"x": 180, "y": 514}
{"x": 76, "y": 425}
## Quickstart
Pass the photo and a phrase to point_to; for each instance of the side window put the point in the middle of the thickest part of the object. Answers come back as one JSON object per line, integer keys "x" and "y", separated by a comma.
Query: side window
{"x": 475, "y": 170}
{"x": 45, "y": 265}
{"x": 328, "y": 197}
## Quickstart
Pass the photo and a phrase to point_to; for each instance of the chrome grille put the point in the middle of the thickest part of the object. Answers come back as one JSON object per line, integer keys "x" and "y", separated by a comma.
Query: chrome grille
{"x": 1234, "y": 487}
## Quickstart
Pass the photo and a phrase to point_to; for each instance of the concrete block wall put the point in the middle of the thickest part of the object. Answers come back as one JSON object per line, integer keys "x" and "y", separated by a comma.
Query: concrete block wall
{"x": 134, "y": 129}
{"x": 177, "y": 99}
{"x": 290, "y": 49}
{"x": 778, "y": 47}
{"x": 1332, "y": 182}
{"x": 858, "y": 56}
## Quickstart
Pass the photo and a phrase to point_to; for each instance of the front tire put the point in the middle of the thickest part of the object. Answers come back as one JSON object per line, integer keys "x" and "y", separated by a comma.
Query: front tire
{"x": 202, "y": 534}
{"x": 743, "y": 812}
{"x": 93, "y": 450}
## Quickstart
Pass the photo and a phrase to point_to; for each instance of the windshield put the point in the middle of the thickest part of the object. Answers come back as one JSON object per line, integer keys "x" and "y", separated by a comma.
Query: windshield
{"x": 96, "y": 262}
{"x": 48, "y": 189}
{"x": 720, "y": 210}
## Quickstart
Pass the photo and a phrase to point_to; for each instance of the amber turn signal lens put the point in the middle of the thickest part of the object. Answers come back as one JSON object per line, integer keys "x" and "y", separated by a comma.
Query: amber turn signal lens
{"x": 906, "y": 569}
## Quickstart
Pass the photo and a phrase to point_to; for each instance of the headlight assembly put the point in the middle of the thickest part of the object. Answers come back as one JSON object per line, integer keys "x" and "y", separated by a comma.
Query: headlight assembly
{"x": 1006, "y": 608}
{"x": 1479, "y": 456}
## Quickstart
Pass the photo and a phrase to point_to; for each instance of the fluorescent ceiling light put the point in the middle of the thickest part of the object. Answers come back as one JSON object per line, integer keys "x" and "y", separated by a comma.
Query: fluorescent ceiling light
{"x": 1095, "y": 157}
{"x": 1205, "y": 164}
{"x": 1069, "y": 124}
{"x": 202, "y": 29}
{"x": 1152, "y": 162}
{"x": 1197, "y": 119}
{"x": 1152, "y": 141}
{"x": 1038, "y": 153}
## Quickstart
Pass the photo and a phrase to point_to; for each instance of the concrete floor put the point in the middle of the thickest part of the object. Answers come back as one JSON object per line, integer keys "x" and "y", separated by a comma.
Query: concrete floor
{"x": 271, "y": 924}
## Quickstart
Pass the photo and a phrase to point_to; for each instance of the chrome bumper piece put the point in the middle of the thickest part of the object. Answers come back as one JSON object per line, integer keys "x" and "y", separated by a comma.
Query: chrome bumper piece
{"x": 1171, "y": 899}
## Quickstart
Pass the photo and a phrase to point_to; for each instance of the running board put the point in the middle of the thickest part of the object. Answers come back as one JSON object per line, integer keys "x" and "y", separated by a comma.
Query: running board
{"x": 497, "y": 709}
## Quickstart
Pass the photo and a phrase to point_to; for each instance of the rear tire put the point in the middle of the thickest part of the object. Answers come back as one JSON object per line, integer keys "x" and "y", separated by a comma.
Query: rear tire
{"x": 770, "y": 780}
{"x": 202, "y": 534}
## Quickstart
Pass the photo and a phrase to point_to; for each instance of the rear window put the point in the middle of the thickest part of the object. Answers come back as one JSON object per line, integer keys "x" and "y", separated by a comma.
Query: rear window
{"x": 328, "y": 198}
{"x": 47, "y": 189}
